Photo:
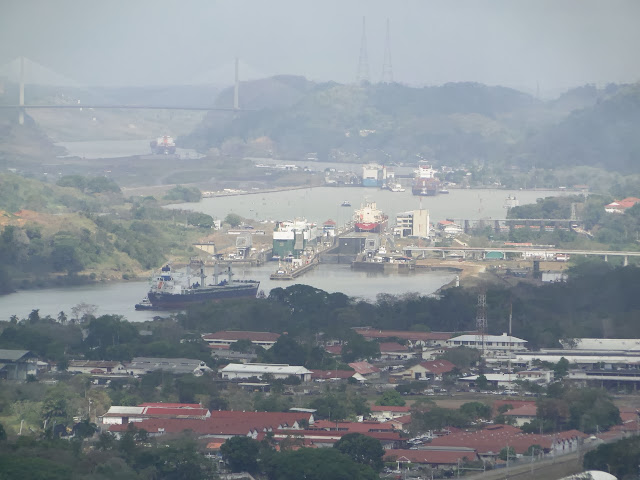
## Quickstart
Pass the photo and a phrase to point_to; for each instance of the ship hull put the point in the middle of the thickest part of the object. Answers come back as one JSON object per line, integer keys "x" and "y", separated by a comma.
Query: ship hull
{"x": 247, "y": 289}
{"x": 426, "y": 188}
{"x": 369, "y": 227}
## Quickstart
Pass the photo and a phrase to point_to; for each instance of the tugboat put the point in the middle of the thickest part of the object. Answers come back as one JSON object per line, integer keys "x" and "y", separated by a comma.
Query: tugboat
{"x": 346, "y": 203}
{"x": 144, "y": 304}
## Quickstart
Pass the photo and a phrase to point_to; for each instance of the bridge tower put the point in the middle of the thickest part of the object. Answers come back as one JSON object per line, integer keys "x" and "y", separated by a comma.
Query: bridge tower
{"x": 387, "y": 69}
{"x": 21, "y": 97}
{"x": 363, "y": 62}
{"x": 236, "y": 86}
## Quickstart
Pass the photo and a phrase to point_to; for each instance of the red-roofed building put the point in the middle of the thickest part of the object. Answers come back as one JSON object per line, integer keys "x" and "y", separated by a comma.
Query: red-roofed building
{"x": 365, "y": 369}
{"x": 395, "y": 351}
{"x": 223, "y": 424}
{"x": 225, "y": 338}
{"x": 522, "y": 414}
{"x": 333, "y": 349}
{"x": 619, "y": 206}
{"x": 489, "y": 441}
{"x": 435, "y": 458}
{"x": 430, "y": 370}
{"x": 123, "y": 415}
{"x": 400, "y": 423}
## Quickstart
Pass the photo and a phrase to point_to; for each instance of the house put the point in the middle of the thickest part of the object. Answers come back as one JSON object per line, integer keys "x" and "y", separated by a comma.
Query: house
{"x": 17, "y": 364}
{"x": 235, "y": 371}
{"x": 432, "y": 457}
{"x": 489, "y": 441}
{"x": 144, "y": 365}
{"x": 97, "y": 367}
{"x": 224, "y": 339}
{"x": 123, "y": 415}
{"x": 430, "y": 370}
{"x": 449, "y": 228}
{"x": 541, "y": 377}
{"x": 365, "y": 369}
{"x": 395, "y": 351}
{"x": 490, "y": 344}
{"x": 323, "y": 375}
{"x": 222, "y": 424}
{"x": 384, "y": 413}
{"x": 522, "y": 414}
{"x": 400, "y": 424}
{"x": 619, "y": 206}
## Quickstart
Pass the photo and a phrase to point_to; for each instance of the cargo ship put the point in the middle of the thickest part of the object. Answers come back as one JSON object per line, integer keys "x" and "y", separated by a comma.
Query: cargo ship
{"x": 164, "y": 145}
{"x": 425, "y": 182}
{"x": 171, "y": 289}
{"x": 369, "y": 218}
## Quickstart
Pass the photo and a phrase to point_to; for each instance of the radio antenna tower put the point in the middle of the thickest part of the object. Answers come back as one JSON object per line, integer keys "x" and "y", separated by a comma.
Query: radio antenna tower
{"x": 387, "y": 69}
{"x": 481, "y": 321}
{"x": 363, "y": 61}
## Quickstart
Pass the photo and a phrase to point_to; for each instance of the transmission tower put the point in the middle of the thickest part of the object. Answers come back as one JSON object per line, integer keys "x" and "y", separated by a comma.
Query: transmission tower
{"x": 363, "y": 61}
{"x": 481, "y": 321}
{"x": 387, "y": 69}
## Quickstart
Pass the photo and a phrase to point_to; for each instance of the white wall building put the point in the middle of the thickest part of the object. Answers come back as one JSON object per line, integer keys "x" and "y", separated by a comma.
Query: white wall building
{"x": 250, "y": 370}
{"x": 414, "y": 223}
{"x": 491, "y": 344}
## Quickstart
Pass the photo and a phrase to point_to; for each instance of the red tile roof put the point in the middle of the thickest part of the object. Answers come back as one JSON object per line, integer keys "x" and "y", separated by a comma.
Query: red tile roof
{"x": 522, "y": 411}
{"x": 364, "y": 368}
{"x": 352, "y": 427}
{"x": 238, "y": 335}
{"x": 334, "y": 349}
{"x": 438, "y": 367}
{"x": 220, "y": 423}
{"x": 392, "y": 347}
{"x": 514, "y": 403}
{"x": 433, "y": 457}
{"x": 495, "y": 438}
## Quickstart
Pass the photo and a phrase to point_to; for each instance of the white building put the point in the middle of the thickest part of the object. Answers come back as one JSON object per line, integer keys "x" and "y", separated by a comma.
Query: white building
{"x": 414, "y": 223}
{"x": 491, "y": 344}
{"x": 278, "y": 371}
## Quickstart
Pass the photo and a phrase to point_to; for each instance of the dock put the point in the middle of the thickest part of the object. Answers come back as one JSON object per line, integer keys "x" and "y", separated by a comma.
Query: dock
{"x": 293, "y": 272}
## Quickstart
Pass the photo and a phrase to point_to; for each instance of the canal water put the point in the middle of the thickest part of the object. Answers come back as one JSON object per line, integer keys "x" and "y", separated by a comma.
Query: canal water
{"x": 119, "y": 298}
{"x": 314, "y": 204}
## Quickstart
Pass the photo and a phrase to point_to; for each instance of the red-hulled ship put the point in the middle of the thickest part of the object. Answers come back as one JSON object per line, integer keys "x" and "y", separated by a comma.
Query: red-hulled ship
{"x": 369, "y": 218}
{"x": 426, "y": 182}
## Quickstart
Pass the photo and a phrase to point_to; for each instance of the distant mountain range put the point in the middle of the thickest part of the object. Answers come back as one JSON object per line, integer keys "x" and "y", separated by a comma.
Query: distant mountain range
{"x": 453, "y": 124}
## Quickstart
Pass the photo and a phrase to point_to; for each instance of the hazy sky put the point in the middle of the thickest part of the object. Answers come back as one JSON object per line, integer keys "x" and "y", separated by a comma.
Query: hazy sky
{"x": 519, "y": 43}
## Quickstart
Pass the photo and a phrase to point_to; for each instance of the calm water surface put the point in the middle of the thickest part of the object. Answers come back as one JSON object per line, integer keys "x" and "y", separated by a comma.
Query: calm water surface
{"x": 314, "y": 204}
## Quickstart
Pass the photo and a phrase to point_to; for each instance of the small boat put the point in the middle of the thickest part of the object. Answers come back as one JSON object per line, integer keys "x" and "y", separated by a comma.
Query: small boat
{"x": 397, "y": 188}
{"x": 444, "y": 190}
{"x": 346, "y": 203}
{"x": 144, "y": 304}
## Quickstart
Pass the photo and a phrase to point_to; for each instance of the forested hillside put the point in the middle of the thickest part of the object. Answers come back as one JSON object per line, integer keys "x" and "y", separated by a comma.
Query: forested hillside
{"x": 82, "y": 229}
{"x": 452, "y": 124}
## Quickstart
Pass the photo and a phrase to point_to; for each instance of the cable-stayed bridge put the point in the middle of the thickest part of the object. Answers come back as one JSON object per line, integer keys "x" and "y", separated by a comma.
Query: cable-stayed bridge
{"x": 26, "y": 72}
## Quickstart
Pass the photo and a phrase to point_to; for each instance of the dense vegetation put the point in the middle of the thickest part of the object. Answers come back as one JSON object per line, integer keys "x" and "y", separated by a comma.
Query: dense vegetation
{"x": 619, "y": 458}
{"x": 82, "y": 229}
{"x": 481, "y": 127}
